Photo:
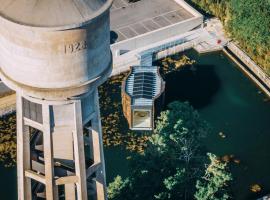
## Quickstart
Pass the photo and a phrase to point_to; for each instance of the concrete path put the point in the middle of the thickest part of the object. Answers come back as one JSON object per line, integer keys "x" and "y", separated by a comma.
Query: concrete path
{"x": 4, "y": 89}
{"x": 7, "y": 104}
{"x": 216, "y": 38}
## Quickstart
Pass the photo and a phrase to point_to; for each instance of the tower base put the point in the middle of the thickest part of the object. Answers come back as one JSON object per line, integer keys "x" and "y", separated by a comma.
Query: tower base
{"x": 60, "y": 149}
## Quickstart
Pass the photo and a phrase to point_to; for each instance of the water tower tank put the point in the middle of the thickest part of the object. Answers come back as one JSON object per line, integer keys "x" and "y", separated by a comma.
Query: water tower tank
{"x": 54, "y": 45}
{"x": 55, "y": 54}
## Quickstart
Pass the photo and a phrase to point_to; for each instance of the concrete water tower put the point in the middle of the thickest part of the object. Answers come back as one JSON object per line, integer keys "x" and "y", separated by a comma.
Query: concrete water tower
{"x": 54, "y": 54}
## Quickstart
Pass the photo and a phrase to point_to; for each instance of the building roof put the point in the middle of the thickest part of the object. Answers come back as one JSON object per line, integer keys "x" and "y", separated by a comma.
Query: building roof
{"x": 52, "y": 13}
{"x": 143, "y": 85}
{"x": 129, "y": 20}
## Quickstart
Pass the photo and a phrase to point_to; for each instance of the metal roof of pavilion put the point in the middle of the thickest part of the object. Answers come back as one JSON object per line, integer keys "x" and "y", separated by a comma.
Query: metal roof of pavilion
{"x": 143, "y": 85}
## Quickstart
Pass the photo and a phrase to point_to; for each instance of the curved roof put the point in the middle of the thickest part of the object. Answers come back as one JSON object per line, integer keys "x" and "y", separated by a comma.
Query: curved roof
{"x": 144, "y": 84}
{"x": 52, "y": 13}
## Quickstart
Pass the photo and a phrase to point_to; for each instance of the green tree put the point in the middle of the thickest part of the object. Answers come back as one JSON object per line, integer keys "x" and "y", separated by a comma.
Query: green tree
{"x": 116, "y": 187}
{"x": 172, "y": 161}
{"x": 214, "y": 184}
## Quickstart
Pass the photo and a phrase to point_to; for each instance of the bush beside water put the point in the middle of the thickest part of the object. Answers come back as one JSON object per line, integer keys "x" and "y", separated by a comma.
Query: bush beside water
{"x": 8, "y": 140}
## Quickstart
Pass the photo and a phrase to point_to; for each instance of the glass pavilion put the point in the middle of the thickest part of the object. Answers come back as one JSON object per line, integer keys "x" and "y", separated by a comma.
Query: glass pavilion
{"x": 142, "y": 96}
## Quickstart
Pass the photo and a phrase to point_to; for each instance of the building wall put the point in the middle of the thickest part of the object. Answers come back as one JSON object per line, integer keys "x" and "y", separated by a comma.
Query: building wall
{"x": 156, "y": 36}
{"x": 126, "y": 102}
{"x": 142, "y": 42}
{"x": 160, "y": 49}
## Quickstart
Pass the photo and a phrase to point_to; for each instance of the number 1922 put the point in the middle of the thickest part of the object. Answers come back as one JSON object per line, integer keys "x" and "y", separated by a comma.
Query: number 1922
{"x": 75, "y": 47}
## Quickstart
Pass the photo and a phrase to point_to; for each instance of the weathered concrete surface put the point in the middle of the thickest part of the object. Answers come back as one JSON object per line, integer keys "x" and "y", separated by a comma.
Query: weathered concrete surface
{"x": 146, "y": 15}
{"x": 158, "y": 35}
{"x": 179, "y": 15}
{"x": 160, "y": 49}
{"x": 50, "y": 59}
{"x": 4, "y": 90}
{"x": 51, "y": 13}
{"x": 55, "y": 54}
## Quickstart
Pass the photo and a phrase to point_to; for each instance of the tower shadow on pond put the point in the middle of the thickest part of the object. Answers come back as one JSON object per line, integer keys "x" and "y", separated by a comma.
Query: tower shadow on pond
{"x": 196, "y": 84}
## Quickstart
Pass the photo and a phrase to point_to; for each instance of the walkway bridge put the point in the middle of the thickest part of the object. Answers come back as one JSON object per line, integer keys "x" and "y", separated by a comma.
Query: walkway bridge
{"x": 199, "y": 39}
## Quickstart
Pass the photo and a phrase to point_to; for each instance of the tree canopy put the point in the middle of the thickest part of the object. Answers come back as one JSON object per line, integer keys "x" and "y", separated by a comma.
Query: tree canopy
{"x": 172, "y": 161}
{"x": 214, "y": 184}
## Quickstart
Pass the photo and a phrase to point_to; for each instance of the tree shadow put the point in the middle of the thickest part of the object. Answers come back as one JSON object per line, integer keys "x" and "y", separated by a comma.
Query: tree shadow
{"x": 113, "y": 37}
{"x": 198, "y": 8}
{"x": 196, "y": 84}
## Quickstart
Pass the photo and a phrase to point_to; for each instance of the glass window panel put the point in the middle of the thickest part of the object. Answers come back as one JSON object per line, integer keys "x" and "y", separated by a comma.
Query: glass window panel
{"x": 142, "y": 119}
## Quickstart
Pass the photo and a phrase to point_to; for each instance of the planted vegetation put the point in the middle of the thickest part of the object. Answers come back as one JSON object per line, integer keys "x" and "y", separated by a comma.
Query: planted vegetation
{"x": 246, "y": 21}
{"x": 174, "y": 63}
{"x": 8, "y": 140}
{"x": 214, "y": 182}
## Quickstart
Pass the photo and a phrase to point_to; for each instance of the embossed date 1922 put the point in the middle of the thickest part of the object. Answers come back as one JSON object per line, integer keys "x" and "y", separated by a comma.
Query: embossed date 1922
{"x": 75, "y": 47}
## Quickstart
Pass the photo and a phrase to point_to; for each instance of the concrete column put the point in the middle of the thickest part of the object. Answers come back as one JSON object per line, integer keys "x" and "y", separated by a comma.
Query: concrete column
{"x": 70, "y": 193}
{"x": 91, "y": 143}
{"x": 98, "y": 150}
{"x": 51, "y": 188}
{"x": 79, "y": 156}
{"x": 23, "y": 153}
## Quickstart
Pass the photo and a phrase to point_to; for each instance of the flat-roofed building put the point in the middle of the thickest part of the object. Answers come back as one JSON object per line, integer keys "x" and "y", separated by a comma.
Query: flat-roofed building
{"x": 148, "y": 24}
{"x": 129, "y": 20}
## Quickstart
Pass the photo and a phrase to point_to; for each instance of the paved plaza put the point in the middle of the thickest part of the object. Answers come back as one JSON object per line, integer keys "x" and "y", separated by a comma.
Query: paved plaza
{"x": 132, "y": 19}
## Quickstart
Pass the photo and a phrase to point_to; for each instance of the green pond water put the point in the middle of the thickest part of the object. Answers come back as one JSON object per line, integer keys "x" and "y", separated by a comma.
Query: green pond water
{"x": 234, "y": 105}
{"x": 230, "y": 102}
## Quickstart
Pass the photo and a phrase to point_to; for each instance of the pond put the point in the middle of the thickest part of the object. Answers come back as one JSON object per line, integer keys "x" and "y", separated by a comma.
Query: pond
{"x": 116, "y": 162}
{"x": 229, "y": 101}
{"x": 234, "y": 107}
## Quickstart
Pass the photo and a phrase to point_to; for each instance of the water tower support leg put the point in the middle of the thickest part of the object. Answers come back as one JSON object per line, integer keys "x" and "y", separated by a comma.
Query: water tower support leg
{"x": 98, "y": 150}
{"x": 51, "y": 188}
{"x": 79, "y": 152}
{"x": 70, "y": 193}
{"x": 23, "y": 153}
